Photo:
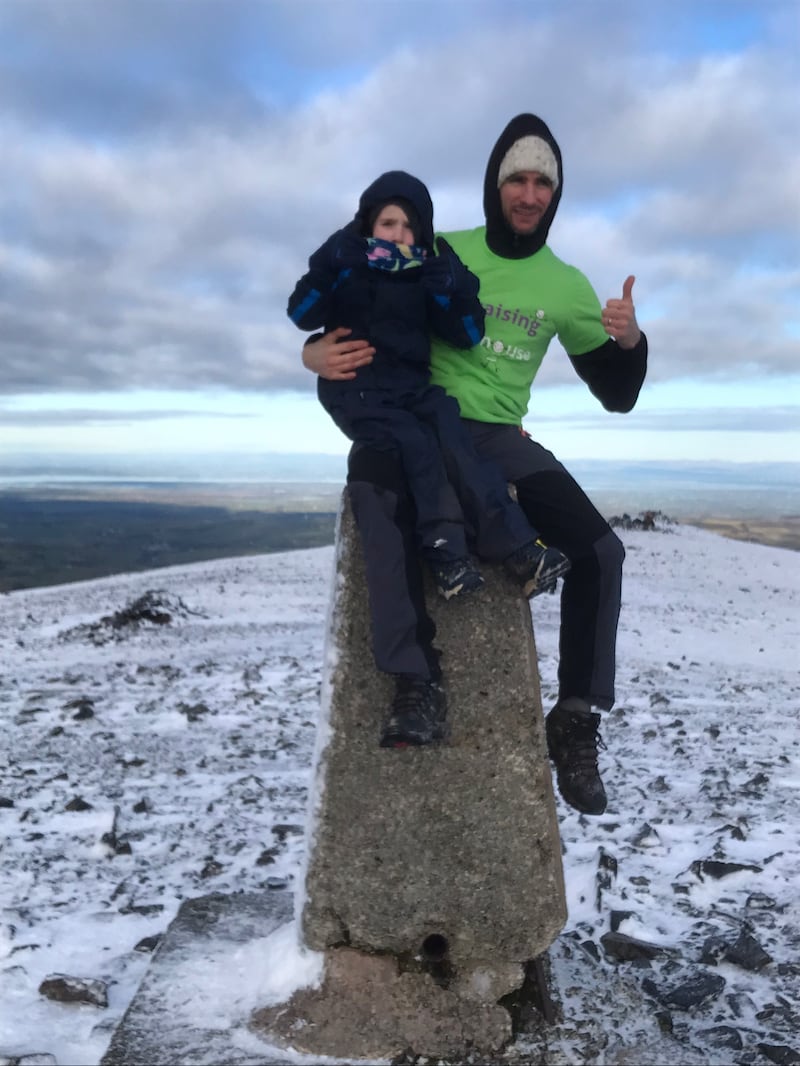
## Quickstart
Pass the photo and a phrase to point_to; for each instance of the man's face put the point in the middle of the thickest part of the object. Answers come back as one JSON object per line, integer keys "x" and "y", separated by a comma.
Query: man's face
{"x": 524, "y": 198}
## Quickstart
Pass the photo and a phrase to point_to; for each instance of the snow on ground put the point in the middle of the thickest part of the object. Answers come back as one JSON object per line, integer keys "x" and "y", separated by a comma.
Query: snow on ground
{"x": 152, "y": 761}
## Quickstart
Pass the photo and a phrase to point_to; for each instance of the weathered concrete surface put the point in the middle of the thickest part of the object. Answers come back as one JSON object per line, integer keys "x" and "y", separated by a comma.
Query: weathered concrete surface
{"x": 160, "y": 1024}
{"x": 371, "y": 1007}
{"x": 458, "y": 841}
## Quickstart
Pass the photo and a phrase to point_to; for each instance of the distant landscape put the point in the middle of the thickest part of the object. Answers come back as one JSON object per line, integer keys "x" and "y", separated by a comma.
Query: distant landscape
{"x": 51, "y": 541}
{"x": 77, "y": 522}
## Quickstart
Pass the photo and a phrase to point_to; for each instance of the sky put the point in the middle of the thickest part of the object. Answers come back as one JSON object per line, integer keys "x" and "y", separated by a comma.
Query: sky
{"x": 169, "y": 165}
{"x": 191, "y": 744}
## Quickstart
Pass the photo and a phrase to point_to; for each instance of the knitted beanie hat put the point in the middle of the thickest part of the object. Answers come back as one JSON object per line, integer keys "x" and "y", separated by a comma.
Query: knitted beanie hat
{"x": 405, "y": 206}
{"x": 529, "y": 153}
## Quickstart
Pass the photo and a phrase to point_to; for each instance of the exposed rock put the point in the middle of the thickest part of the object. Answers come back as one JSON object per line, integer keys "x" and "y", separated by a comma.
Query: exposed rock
{"x": 194, "y": 712}
{"x": 780, "y": 1054}
{"x": 646, "y": 837}
{"x": 717, "y": 870}
{"x": 65, "y": 989}
{"x": 149, "y": 943}
{"x": 648, "y": 521}
{"x": 156, "y": 607}
{"x": 724, "y": 1036}
{"x": 627, "y": 948}
{"x": 698, "y": 988}
{"x": 746, "y": 952}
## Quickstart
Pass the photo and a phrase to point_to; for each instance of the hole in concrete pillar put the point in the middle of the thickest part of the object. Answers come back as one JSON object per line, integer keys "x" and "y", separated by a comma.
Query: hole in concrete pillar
{"x": 434, "y": 948}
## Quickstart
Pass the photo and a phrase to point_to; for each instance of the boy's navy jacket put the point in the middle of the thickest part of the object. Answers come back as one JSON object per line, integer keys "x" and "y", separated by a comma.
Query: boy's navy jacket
{"x": 394, "y": 310}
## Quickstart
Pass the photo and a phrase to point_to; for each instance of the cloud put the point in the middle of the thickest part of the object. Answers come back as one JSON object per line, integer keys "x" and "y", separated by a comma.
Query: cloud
{"x": 168, "y": 169}
{"x": 680, "y": 420}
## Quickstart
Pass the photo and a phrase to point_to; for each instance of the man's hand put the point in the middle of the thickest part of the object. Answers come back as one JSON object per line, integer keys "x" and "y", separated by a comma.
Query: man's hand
{"x": 619, "y": 317}
{"x": 335, "y": 357}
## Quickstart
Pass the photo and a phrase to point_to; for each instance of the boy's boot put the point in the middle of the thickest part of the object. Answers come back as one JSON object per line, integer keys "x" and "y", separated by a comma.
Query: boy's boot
{"x": 417, "y": 715}
{"x": 456, "y": 577}
{"x": 536, "y": 567}
{"x": 573, "y": 738}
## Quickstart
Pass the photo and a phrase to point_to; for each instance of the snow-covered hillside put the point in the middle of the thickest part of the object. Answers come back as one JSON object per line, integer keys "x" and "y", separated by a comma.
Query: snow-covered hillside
{"x": 159, "y": 748}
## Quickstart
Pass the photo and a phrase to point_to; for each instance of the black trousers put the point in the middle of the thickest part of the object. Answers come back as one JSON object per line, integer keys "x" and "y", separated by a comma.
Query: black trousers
{"x": 402, "y": 632}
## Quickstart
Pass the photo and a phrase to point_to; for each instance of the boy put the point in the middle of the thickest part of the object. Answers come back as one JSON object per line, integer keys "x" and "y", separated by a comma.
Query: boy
{"x": 382, "y": 276}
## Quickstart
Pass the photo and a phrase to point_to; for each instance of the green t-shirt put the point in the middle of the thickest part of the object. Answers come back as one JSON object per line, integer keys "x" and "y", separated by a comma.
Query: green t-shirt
{"x": 527, "y": 303}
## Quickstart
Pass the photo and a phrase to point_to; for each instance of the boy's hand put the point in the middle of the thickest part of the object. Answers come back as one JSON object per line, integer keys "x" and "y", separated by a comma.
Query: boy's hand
{"x": 439, "y": 271}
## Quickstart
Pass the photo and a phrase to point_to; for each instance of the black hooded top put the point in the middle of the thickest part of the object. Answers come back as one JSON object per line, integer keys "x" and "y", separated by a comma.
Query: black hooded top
{"x": 394, "y": 310}
{"x": 614, "y": 375}
{"x": 500, "y": 238}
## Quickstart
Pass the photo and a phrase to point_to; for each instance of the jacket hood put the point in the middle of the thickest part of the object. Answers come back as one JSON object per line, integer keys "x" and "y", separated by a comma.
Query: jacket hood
{"x": 499, "y": 236}
{"x": 393, "y": 185}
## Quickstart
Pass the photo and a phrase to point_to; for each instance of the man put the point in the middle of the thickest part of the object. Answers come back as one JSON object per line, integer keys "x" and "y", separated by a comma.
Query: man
{"x": 529, "y": 296}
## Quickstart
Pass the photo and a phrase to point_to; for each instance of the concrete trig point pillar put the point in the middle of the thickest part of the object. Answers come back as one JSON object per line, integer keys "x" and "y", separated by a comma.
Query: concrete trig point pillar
{"x": 434, "y": 874}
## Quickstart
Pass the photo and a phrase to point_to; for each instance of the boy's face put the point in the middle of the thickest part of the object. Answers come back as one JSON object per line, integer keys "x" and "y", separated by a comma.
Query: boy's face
{"x": 392, "y": 225}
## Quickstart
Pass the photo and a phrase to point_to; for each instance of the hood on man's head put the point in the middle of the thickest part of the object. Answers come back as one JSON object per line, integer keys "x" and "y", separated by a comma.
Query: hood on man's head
{"x": 397, "y": 187}
{"x": 525, "y": 140}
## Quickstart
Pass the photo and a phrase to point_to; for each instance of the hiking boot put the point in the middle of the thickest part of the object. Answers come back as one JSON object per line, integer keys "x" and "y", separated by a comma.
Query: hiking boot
{"x": 417, "y": 716}
{"x": 456, "y": 577}
{"x": 536, "y": 567}
{"x": 573, "y": 738}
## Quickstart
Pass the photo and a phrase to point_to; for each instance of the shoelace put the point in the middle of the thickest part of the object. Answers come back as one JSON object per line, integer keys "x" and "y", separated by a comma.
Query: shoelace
{"x": 583, "y": 750}
{"x": 412, "y": 698}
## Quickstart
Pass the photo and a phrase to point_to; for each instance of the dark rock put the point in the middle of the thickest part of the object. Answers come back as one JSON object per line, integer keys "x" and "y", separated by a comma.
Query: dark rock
{"x": 740, "y": 1004}
{"x": 212, "y": 868}
{"x": 760, "y": 901}
{"x": 756, "y": 784}
{"x": 697, "y": 989}
{"x": 267, "y": 857}
{"x": 285, "y": 829}
{"x": 83, "y": 706}
{"x": 65, "y": 989}
{"x": 155, "y": 607}
{"x": 746, "y": 952}
{"x": 142, "y": 807}
{"x": 715, "y": 869}
{"x": 591, "y": 949}
{"x": 646, "y": 837}
{"x": 723, "y": 1036}
{"x": 780, "y": 1054}
{"x": 714, "y": 949}
{"x": 145, "y": 909}
{"x": 149, "y": 943}
{"x": 734, "y": 831}
{"x": 194, "y": 712}
{"x": 78, "y": 804}
{"x": 6, "y": 801}
{"x": 627, "y": 948}
{"x": 616, "y": 918}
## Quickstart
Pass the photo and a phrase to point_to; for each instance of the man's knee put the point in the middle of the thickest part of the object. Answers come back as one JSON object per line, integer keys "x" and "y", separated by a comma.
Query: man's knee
{"x": 610, "y": 551}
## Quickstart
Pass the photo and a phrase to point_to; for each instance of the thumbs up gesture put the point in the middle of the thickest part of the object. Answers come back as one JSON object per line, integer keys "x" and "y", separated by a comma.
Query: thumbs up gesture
{"x": 619, "y": 317}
